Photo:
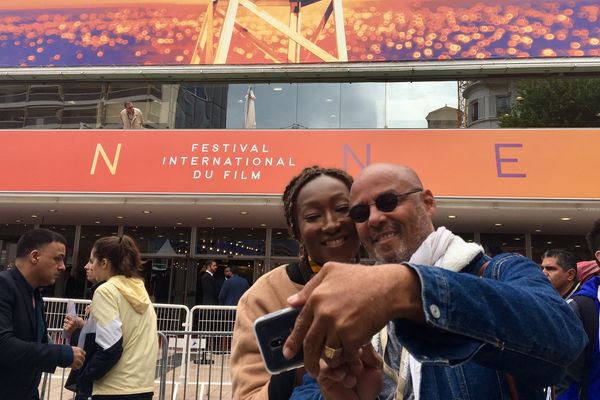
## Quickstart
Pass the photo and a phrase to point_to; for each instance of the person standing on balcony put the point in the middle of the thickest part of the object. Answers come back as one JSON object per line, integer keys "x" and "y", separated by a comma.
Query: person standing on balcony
{"x": 132, "y": 117}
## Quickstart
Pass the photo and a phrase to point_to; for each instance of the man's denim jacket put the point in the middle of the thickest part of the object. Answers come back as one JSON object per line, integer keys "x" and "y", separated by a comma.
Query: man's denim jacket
{"x": 509, "y": 320}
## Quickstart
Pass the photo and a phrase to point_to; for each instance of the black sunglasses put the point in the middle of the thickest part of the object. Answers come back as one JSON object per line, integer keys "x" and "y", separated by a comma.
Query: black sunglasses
{"x": 385, "y": 202}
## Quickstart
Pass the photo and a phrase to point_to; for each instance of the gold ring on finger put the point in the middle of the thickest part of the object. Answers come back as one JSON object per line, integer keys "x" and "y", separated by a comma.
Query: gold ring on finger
{"x": 331, "y": 353}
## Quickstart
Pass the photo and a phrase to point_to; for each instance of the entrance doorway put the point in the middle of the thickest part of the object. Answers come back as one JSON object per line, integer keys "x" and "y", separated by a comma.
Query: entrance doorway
{"x": 248, "y": 268}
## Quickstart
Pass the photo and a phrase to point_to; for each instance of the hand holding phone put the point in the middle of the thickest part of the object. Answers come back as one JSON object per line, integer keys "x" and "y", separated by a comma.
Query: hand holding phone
{"x": 271, "y": 332}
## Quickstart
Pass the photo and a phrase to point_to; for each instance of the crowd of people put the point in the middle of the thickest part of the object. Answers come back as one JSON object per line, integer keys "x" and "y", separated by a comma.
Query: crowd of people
{"x": 435, "y": 318}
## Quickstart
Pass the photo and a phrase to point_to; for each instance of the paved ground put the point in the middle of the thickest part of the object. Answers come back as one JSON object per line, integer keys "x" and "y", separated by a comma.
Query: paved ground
{"x": 205, "y": 380}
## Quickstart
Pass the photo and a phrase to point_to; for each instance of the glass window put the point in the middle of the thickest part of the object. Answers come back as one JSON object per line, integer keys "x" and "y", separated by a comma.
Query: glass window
{"x": 275, "y": 105}
{"x": 9, "y": 236}
{"x": 89, "y": 234}
{"x": 576, "y": 244}
{"x": 466, "y": 236}
{"x": 132, "y": 91}
{"x": 12, "y": 118}
{"x": 83, "y": 92}
{"x": 474, "y": 111}
{"x": 502, "y": 105}
{"x": 231, "y": 241}
{"x": 407, "y": 104}
{"x": 363, "y": 105}
{"x": 319, "y": 105}
{"x": 13, "y": 94}
{"x": 160, "y": 241}
{"x": 278, "y": 109}
{"x": 204, "y": 106}
{"x": 45, "y": 93}
{"x": 496, "y": 243}
{"x": 282, "y": 245}
{"x": 236, "y": 99}
{"x": 43, "y": 116}
{"x": 68, "y": 231}
{"x": 79, "y": 117}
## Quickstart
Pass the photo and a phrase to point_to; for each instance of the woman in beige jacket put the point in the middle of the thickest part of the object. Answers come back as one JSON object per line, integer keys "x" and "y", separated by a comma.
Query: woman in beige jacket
{"x": 316, "y": 208}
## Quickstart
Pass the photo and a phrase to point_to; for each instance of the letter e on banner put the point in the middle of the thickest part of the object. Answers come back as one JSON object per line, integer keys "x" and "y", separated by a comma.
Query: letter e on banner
{"x": 500, "y": 160}
{"x": 112, "y": 166}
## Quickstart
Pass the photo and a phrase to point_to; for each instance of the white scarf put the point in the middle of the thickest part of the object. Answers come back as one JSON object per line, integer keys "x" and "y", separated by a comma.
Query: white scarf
{"x": 445, "y": 250}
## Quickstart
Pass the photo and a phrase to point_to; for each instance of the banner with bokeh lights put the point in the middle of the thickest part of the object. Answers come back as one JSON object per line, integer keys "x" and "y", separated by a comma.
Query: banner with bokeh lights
{"x": 60, "y": 33}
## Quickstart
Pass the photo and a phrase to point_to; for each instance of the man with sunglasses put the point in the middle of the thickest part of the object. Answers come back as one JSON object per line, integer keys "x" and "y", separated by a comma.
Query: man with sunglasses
{"x": 473, "y": 327}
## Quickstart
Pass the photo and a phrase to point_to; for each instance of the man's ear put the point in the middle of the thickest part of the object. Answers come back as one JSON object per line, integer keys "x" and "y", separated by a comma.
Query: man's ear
{"x": 429, "y": 202}
{"x": 597, "y": 256}
{"x": 572, "y": 274}
{"x": 34, "y": 256}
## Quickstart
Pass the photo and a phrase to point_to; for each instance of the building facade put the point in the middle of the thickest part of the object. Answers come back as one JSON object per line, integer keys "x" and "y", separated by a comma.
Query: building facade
{"x": 339, "y": 83}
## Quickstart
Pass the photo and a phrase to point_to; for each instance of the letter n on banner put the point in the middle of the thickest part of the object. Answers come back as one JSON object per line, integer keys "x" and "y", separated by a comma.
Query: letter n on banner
{"x": 349, "y": 153}
{"x": 112, "y": 166}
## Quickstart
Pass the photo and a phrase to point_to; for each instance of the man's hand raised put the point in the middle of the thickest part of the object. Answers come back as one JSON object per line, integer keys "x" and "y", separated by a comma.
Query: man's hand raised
{"x": 344, "y": 305}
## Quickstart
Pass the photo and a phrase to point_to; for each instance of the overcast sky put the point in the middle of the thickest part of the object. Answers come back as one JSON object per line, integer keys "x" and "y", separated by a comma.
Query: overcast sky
{"x": 346, "y": 105}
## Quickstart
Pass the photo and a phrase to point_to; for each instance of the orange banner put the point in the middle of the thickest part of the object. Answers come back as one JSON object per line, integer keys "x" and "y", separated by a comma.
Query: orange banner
{"x": 457, "y": 163}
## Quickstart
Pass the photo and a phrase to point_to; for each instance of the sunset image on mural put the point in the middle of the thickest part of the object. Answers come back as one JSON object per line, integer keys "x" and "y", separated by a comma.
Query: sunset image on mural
{"x": 182, "y": 32}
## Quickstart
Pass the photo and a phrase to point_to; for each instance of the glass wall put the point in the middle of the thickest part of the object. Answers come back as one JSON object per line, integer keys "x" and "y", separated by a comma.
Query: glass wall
{"x": 9, "y": 236}
{"x": 362, "y": 105}
{"x": 229, "y": 242}
{"x": 171, "y": 274}
{"x": 160, "y": 241}
{"x": 325, "y": 105}
{"x": 575, "y": 244}
{"x": 496, "y": 243}
{"x": 282, "y": 245}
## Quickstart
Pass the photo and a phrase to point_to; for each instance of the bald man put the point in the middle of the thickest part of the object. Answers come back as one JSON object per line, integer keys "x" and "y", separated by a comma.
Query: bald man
{"x": 473, "y": 326}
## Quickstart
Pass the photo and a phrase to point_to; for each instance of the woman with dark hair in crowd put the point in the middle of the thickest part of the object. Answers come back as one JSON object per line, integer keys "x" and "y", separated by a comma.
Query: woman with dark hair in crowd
{"x": 316, "y": 204}
{"x": 123, "y": 365}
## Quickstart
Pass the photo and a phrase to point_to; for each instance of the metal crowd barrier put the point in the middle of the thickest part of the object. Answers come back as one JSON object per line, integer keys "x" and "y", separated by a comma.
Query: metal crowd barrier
{"x": 194, "y": 351}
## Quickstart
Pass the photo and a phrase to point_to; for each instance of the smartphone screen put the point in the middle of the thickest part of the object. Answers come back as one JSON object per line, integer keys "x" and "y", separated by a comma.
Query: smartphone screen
{"x": 271, "y": 332}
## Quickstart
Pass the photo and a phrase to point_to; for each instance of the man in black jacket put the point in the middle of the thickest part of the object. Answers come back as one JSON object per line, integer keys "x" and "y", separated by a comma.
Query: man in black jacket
{"x": 210, "y": 286}
{"x": 25, "y": 352}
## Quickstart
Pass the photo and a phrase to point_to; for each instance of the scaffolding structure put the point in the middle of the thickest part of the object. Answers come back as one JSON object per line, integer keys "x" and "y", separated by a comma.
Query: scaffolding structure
{"x": 204, "y": 52}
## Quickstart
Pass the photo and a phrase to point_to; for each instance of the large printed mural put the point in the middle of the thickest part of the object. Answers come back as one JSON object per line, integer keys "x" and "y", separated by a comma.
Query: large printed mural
{"x": 183, "y": 32}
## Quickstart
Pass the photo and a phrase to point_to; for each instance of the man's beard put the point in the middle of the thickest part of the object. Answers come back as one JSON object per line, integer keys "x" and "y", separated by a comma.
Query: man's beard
{"x": 401, "y": 254}
{"x": 407, "y": 248}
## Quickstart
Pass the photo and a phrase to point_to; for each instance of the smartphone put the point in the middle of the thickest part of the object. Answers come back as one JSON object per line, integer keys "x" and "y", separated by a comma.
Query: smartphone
{"x": 271, "y": 332}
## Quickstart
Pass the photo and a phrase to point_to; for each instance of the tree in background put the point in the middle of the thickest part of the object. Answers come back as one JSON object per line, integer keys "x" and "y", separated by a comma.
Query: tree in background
{"x": 548, "y": 103}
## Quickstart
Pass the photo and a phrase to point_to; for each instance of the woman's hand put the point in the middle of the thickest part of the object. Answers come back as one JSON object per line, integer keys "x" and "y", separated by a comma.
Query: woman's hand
{"x": 361, "y": 379}
{"x": 71, "y": 324}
